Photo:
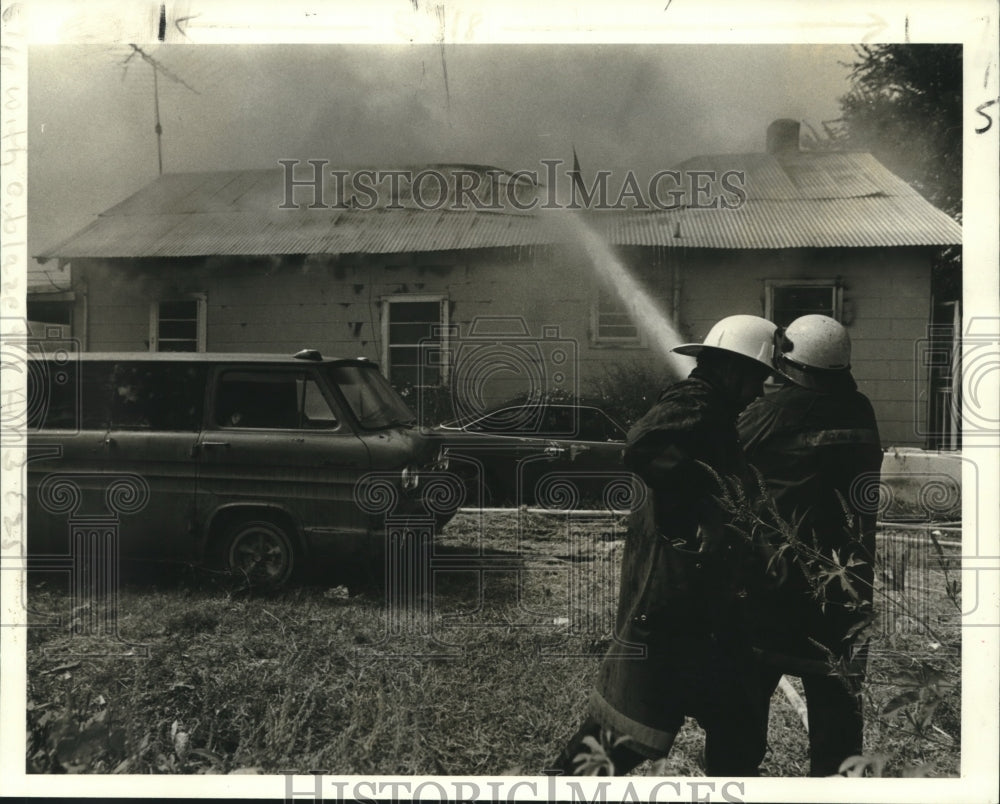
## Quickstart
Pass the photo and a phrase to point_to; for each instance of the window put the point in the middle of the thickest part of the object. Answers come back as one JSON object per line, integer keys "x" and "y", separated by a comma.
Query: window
{"x": 596, "y": 426}
{"x": 538, "y": 419}
{"x": 524, "y": 420}
{"x": 157, "y": 396}
{"x": 786, "y": 300}
{"x": 50, "y": 319}
{"x": 177, "y": 325}
{"x": 560, "y": 421}
{"x": 414, "y": 334}
{"x": 272, "y": 401}
{"x": 68, "y": 395}
{"x": 370, "y": 397}
{"x": 611, "y": 321}
{"x": 58, "y": 317}
{"x": 316, "y": 413}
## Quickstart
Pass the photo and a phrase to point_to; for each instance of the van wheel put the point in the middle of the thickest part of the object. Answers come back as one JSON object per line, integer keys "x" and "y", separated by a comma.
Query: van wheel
{"x": 260, "y": 552}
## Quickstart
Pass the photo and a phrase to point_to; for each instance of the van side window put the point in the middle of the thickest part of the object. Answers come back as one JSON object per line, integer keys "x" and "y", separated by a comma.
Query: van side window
{"x": 272, "y": 400}
{"x": 157, "y": 396}
{"x": 68, "y": 395}
{"x": 316, "y": 413}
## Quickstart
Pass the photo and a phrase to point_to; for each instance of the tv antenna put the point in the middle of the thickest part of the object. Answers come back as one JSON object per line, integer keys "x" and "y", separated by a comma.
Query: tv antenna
{"x": 158, "y": 68}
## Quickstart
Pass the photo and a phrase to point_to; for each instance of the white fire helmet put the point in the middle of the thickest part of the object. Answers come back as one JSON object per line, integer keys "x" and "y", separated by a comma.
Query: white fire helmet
{"x": 819, "y": 342}
{"x": 747, "y": 335}
{"x": 813, "y": 348}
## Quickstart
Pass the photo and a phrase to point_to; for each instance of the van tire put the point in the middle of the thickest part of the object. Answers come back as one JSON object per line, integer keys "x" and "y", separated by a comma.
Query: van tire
{"x": 260, "y": 552}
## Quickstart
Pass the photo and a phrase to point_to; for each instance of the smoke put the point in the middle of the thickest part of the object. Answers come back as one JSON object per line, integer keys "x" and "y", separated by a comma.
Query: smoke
{"x": 636, "y": 107}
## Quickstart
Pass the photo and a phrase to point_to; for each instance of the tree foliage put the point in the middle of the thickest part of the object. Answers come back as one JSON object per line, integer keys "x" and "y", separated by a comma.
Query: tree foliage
{"x": 905, "y": 106}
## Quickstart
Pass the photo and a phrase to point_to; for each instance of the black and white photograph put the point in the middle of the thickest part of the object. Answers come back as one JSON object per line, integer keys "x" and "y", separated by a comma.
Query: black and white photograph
{"x": 639, "y": 434}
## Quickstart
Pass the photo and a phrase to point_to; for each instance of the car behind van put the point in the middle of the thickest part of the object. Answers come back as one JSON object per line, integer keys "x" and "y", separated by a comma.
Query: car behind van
{"x": 257, "y": 464}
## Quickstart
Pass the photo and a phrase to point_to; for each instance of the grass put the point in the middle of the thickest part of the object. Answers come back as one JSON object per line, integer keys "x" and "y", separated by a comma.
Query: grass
{"x": 491, "y": 681}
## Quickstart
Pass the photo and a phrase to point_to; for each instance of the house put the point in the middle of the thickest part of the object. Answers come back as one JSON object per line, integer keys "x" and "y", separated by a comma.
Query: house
{"x": 491, "y": 299}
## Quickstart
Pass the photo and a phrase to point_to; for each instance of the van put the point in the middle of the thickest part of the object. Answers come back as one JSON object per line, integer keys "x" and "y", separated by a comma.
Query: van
{"x": 258, "y": 464}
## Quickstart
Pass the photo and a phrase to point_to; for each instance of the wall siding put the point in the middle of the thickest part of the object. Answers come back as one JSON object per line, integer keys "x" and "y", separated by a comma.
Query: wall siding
{"x": 886, "y": 309}
{"x": 333, "y": 304}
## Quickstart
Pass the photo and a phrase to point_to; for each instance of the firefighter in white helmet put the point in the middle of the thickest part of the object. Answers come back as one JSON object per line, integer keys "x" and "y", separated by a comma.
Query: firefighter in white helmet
{"x": 816, "y": 443}
{"x": 679, "y": 648}
{"x": 815, "y": 352}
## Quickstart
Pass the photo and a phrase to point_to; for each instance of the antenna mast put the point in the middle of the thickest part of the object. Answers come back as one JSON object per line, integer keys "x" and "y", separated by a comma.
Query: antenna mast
{"x": 159, "y": 128}
{"x": 157, "y": 69}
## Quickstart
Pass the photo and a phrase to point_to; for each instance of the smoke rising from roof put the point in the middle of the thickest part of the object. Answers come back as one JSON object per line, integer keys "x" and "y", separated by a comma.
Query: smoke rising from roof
{"x": 624, "y": 107}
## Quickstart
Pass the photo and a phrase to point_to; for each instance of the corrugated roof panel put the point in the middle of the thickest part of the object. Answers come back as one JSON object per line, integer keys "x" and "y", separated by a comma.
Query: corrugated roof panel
{"x": 209, "y": 196}
{"x": 514, "y": 230}
{"x": 166, "y": 195}
{"x": 265, "y": 189}
{"x": 856, "y": 222}
{"x": 872, "y": 221}
{"x": 116, "y": 236}
{"x": 805, "y": 175}
{"x": 232, "y": 194}
{"x": 828, "y": 178}
{"x": 793, "y": 201}
{"x": 874, "y": 171}
{"x": 388, "y": 231}
{"x": 764, "y": 176}
{"x": 640, "y": 229}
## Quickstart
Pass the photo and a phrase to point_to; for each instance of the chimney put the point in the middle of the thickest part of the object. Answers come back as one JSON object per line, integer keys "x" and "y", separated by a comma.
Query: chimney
{"x": 783, "y": 136}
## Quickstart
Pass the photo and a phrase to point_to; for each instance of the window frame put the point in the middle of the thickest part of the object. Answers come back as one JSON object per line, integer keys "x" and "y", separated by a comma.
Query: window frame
{"x": 312, "y": 377}
{"x": 835, "y": 285}
{"x": 596, "y": 339}
{"x": 164, "y": 376}
{"x": 471, "y": 428}
{"x": 201, "y": 327}
{"x": 606, "y": 419}
{"x": 307, "y": 374}
{"x": 78, "y": 313}
{"x": 386, "y": 303}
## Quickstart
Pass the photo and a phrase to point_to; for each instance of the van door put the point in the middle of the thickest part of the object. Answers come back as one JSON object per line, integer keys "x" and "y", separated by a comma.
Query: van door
{"x": 277, "y": 440}
{"x": 67, "y": 458}
{"x": 156, "y": 413}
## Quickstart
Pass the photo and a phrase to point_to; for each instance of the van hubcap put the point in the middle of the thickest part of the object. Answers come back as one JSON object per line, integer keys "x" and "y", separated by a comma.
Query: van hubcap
{"x": 259, "y": 552}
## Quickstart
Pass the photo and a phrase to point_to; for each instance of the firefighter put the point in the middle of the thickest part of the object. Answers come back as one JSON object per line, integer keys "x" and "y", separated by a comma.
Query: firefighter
{"x": 679, "y": 647}
{"x": 815, "y": 441}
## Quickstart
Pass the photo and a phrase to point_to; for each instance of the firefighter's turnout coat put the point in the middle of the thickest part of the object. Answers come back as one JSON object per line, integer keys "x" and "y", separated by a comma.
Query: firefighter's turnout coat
{"x": 679, "y": 646}
{"x": 820, "y": 455}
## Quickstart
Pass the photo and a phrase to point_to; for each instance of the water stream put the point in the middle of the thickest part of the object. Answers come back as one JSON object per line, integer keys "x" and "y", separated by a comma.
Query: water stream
{"x": 645, "y": 313}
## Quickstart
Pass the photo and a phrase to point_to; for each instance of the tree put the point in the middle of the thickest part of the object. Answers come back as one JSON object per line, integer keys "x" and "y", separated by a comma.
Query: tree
{"x": 905, "y": 106}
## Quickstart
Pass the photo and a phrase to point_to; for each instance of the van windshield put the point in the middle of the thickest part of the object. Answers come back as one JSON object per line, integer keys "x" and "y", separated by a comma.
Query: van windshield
{"x": 374, "y": 402}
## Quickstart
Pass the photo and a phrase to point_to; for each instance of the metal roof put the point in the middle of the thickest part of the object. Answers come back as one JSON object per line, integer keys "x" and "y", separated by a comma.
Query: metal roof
{"x": 792, "y": 201}
{"x": 806, "y": 175}
{"x": 336, "y": 231}
{"x": 822, "y": 223}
